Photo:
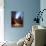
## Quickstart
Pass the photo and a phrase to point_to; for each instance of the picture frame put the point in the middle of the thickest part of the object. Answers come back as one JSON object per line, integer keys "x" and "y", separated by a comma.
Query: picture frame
{"x": 17, "y": 18}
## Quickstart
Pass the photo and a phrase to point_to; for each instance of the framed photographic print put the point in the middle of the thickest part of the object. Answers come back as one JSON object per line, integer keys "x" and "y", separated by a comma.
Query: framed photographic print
{"x": 17, "y": 18}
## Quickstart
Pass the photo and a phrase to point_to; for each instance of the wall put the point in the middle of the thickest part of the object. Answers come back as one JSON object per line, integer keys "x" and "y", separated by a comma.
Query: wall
{"x": 29, "y": 7}
{"x": 1, "y": 24}
{"x": 1, "y": 21}
{"x": 43, "y": 6}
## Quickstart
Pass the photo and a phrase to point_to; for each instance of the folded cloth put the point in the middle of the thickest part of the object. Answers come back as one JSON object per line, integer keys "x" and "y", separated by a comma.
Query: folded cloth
{"x": 21, "y": 42}
{"x": 26, "y": 41}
